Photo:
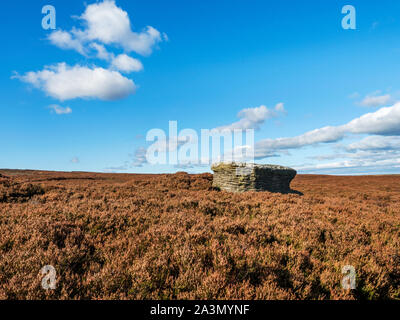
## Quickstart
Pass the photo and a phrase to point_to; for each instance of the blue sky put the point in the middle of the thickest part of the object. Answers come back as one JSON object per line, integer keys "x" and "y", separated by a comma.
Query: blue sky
{"x": 203, "y": 62}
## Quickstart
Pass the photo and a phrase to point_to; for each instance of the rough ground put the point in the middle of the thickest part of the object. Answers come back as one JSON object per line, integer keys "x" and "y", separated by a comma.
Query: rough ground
{"x": 120, "y": 236}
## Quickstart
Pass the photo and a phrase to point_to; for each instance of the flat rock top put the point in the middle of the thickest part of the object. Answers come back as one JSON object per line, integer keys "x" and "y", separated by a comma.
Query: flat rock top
{"x": 234, "y": 165}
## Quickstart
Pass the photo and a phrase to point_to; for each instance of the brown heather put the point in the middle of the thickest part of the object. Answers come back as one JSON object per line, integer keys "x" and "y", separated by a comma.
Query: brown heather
{"x": 121, "y": 236}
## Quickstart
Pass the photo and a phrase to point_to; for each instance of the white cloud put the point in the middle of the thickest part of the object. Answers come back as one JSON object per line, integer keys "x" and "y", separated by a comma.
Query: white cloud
{"x": 140, "y": 157}
{"x": 380, "y": 151}
{"x": 103, "y": 24}
{"x": 280, "y": 107}
{"x": 265, "y": 147}
{"x": 64, "y": 40}
{"x": 385, "y": 121}
{"x": 127, "y": 64}
{"x": 115, "y": 169}
{"x": 376, "y": 143}
{"x": 171, "y": 144}
{"x": 253, "y": 118}
{"x": 376, "y": 100}
{"x": 106, "y": 22}
{"x": 59, "y": 109}
{"x": 358, "y": 163}
{"x": 328, "y": 156}
{"x": 162, "y": 146}
{"x": 372, "y": 154}
{"x": 109, "y": 24}
{"x": 102, "y": 52}
{"x": 75, "y": 160}
{"x": 64, "y": 82}
{"x": 250, "y": 118}
{"x": 165, "y": 36}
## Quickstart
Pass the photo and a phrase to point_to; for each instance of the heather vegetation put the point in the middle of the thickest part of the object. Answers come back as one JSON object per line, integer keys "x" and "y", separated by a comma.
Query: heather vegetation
{"x": 121, "y": 236}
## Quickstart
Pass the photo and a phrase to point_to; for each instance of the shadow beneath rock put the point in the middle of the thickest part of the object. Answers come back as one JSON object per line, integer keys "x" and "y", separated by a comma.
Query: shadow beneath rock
{"x": 295, "y": 192}
{"x": 291, "y": 191}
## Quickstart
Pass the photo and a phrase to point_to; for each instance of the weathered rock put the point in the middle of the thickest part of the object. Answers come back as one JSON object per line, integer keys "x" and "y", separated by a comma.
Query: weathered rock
{"x": 240, "y": 177}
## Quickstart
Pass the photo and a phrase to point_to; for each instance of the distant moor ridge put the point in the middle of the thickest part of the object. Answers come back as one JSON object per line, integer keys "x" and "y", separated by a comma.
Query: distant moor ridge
{"x": 240, "y": 177}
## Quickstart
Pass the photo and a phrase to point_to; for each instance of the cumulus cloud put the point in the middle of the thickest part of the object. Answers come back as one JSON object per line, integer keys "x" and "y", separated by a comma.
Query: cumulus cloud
{"x": 323, "y": 135}
{"x": 361, "y": 162}
{"x": 121, "y": 62}
{"x": 250, "y": 118}
{"x": 125, "y": 63}
{"x": 101, "y": 51}
{"x": 59, "y": 109}
{"x": 65, "y": 82}
{"x": 375, "y": 143}
{"x": 380, "y": 150}
{"x": 253, "y": 118}
{"x": 64, "y": 40}
{"x": 372, "y": 154}
{"x": 376, "y": 100}
{"x": 111, "y": 25}
{"x": 106, "y": 23}
{"x": 371, "y": 151}
{"x": 105, "y": 28}
{"x": 385, "y": 121}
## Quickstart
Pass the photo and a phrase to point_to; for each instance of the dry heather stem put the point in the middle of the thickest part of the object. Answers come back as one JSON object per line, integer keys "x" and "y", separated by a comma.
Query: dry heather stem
{"x": 120, "y": 236}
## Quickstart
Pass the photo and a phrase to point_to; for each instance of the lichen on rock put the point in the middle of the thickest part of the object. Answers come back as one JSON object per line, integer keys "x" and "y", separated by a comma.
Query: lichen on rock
{"x": 241, "y": 177}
